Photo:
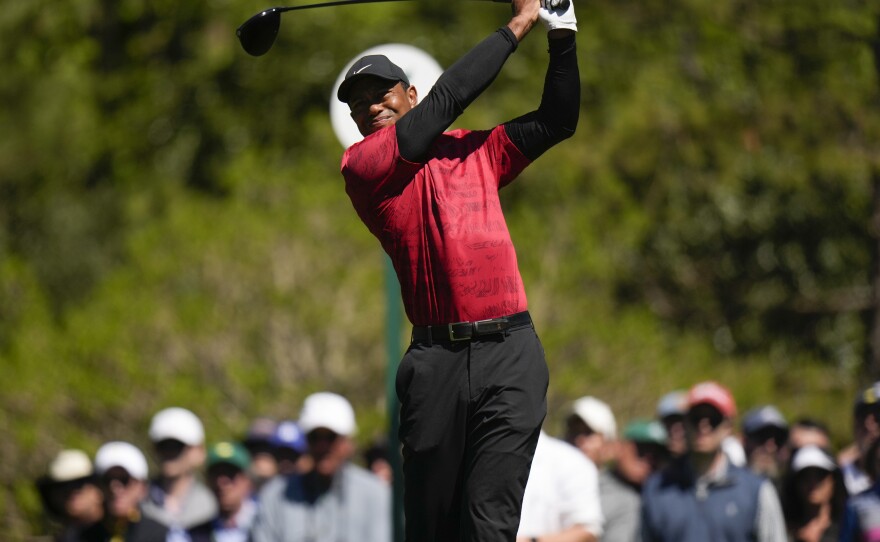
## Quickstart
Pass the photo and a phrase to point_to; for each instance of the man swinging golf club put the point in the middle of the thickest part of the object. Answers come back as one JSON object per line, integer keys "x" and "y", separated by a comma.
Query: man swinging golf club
{"x": 472, "y": 385}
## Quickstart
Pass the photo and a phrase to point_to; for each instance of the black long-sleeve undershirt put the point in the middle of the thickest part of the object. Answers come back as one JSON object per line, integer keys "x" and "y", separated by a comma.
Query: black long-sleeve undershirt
{"x": 533, "y": 133}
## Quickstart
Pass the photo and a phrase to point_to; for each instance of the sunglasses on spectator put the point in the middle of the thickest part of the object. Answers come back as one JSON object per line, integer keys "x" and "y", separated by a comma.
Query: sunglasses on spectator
{"x": 764, "y": 434}
{"x": 321, "y": 435}
{"x": 73, "y": 486}
{"x": 170, "y": 448}
{"x": 257, "y": 447}
{"x": 712, "y": 415}
{"x": 224, "y": 470}
{"x": 650, "y": 450}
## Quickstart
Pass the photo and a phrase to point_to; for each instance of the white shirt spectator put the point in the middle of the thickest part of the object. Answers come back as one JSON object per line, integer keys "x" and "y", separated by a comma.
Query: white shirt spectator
{"x": 562, "y": 491}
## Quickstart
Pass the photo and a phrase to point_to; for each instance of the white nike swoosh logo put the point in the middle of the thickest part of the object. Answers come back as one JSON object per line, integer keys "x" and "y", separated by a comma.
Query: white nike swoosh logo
{"x": 362, "y": 69}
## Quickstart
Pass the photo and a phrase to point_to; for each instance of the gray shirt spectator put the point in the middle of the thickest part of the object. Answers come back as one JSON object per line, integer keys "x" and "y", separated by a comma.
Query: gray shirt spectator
{"x": 356, "y": 507}
{"x": 176, "y": 497}
{"x": 335, "y": 501}
{"x": 621, "y": 504}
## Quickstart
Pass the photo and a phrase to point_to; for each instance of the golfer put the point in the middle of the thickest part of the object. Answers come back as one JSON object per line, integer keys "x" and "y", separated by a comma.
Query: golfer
{"x": 473, "y": 383}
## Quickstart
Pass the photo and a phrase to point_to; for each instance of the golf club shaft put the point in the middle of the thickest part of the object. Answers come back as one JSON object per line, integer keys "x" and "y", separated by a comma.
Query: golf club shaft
{"x": 258, "y": 33}
{"x": 353, "y": 2}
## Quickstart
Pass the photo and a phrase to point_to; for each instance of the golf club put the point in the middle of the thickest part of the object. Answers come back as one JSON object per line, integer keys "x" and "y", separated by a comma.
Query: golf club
{"x": 258, "y": 33}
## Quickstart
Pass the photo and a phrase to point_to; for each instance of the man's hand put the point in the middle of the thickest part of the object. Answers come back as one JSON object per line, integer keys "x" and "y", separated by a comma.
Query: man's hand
{"x": 560, "y": 17}
{"x": 525, "y": 15}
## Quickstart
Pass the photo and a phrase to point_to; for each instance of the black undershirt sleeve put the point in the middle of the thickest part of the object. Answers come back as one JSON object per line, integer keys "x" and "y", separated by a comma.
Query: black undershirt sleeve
{"x": 557, "y": 116}
{"x": 533, "y": 133}
{"x": 459, "y": 85}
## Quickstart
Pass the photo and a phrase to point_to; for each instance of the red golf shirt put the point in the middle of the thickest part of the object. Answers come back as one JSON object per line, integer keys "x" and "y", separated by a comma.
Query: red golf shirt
{"x": 441, "y": 221}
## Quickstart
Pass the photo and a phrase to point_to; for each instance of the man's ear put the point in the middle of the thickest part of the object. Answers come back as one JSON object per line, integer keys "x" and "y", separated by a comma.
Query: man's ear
{"x": 413, "y": 95}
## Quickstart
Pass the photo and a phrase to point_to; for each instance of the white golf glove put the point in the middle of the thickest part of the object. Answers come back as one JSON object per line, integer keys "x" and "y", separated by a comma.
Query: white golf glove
{"x": 556, "y": 14}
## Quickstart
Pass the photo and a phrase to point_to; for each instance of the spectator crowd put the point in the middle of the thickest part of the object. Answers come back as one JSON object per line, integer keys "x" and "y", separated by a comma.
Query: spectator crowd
{"x": 694, "y": 471}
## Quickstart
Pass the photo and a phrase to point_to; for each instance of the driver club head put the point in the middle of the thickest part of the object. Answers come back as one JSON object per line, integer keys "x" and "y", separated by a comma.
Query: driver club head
{"x": 258, "y": 33}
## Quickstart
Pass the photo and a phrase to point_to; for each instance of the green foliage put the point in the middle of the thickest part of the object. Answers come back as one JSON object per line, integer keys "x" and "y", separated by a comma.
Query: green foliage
{"x": 173, "y": 227}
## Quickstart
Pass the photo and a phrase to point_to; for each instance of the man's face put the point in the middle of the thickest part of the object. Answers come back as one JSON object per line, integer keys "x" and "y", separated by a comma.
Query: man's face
{"x": 376, "y": 103}
{"x": 287, "y": 460}
{"x": 263, "y": 463}
{"x": 766, "y": 451}
{"x": 674, "y": 424}
{"x": 328, "y": 450}
{"x": 706, "y": 429}
{"x": 177, "y": 459}
{"x": 637, "y": 460}
{"x": 582, "y": 437}
{"x": 81, "y": 501}
{"x": 230, "y": 485}
{"x": 123, "y": 492}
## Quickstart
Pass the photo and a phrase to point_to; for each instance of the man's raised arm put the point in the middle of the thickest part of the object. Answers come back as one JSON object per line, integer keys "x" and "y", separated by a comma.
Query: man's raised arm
{"x": 557, "y": 117}
{"x": 462, "y": 83}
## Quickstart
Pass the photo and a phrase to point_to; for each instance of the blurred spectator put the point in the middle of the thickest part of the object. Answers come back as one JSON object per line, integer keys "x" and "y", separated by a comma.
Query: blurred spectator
{"x": 640, "y": 452}
{"x": 765, "y": 435}
{"x": 702, "y": 497}
{"x": 336, "y": 500}
{"x": 227, "y": 475}
{"x": 861, "y": 520}
{"x": 377, "y": 460}
{"x": 176, "y": 497}
{"x": 808, "y": 431}
{"x": 70, "y": 494}
{"x": 257, "y": 441}
{"x": 123, "y": 471}
{"x": 289, "y": 447}
{"x": 561, "y": 501}
{"x": 590, "y": 427}
{"x": 813, "y": 496}
{"x": 670, "y": 411}
{"x": 866, "y": 429}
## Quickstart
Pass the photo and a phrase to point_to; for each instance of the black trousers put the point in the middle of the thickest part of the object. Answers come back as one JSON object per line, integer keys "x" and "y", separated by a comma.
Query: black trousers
{"x": 470, "y": 417}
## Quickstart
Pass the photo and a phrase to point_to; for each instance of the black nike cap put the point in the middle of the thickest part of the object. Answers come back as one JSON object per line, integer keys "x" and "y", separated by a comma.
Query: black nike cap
{"x": 370, "y": 65}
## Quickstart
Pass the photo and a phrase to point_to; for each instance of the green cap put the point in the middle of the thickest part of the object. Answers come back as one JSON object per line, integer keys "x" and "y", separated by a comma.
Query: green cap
{"x": 650, "y": 431}
{"x": 229, "y": 452}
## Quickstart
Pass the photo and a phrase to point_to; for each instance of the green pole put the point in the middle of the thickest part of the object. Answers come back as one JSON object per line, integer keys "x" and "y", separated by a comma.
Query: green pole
{"x": 393, "y": 323}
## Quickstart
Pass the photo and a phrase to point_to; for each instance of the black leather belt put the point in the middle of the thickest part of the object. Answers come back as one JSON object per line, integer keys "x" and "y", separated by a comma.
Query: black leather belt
{"x": 465, "y": 331}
